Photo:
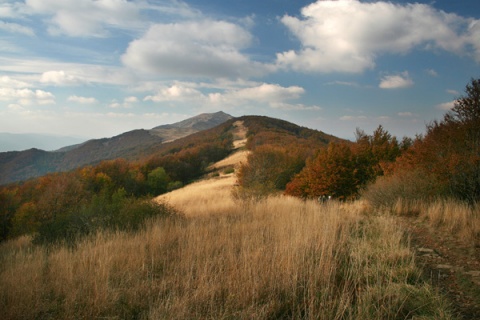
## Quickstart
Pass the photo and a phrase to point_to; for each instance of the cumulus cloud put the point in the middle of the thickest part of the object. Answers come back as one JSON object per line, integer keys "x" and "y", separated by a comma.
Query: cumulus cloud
{"x": 259, "y": 94}
{"x": 446, "y": 105}
{"x": 58, "y": 78}
{"x": 397, "y": 81}
{"x": 348, "y": 35}
{"x": 127, "y": 103}
{"x": 82, "y": 100}
{"x": 204, "y": 48}
{"x": 176, "y": 93}
{"x": 26, "y": 96}
{"x": 271, "y": 94}
{"x": 8, "y": 82}
{"x": 131, "y": 99}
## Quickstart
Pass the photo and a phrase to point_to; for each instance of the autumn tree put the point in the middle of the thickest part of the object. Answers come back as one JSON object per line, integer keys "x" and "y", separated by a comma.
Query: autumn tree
{"x": 332, "y": 173}
{"x": 343, "y": 169}
{"x": 450, "y": 149}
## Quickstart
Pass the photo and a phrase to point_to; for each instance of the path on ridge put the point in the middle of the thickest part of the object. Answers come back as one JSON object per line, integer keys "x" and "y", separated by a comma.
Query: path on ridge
{"x": 450, "y": 265}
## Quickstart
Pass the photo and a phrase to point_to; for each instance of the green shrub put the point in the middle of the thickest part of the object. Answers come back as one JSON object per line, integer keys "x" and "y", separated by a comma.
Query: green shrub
{"x": 229, "y": 170}
{"x": 174, "y": 185}
{"x": 117, "y": 212}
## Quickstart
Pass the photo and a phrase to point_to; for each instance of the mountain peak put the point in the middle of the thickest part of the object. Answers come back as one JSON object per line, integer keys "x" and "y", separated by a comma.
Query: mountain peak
{"x": 200, "y": 122}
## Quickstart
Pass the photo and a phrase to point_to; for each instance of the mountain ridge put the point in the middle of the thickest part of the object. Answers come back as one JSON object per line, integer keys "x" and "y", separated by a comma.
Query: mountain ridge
{"x": 22, "y": 165}
{"x": 141, "y": 144}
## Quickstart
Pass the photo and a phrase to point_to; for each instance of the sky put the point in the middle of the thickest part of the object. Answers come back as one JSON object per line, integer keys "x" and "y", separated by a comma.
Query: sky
{"x": 98, "y": 68}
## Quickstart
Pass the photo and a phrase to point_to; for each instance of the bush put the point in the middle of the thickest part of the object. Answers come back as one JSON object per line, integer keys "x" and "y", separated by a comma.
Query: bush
{"x": 229, "y": 170}
{"x": 116, "y": 213}
{"x": 410, "y": 186}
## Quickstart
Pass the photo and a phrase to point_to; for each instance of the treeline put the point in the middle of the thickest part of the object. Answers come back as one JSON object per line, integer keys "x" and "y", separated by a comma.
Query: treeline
{"x": 445, "y": 162}
{"x": 112, "y": 194}
{"x": 280, "y": 150}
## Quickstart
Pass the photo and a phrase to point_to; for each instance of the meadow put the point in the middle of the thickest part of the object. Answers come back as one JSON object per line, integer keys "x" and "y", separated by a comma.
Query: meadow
{"x": 224, "y": 258}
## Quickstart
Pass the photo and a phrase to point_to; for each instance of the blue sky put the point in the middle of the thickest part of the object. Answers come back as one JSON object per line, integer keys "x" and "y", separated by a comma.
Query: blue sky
{"x": 97, "y": 68}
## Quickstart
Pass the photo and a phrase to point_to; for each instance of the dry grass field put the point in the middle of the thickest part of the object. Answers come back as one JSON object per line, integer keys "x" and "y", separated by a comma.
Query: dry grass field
{"x": 282, "y": 258}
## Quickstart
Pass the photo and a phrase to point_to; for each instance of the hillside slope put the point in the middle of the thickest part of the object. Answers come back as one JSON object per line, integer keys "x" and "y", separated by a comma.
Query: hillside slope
{"x": 208, "y": 191}
{"x": 132, "y": 145}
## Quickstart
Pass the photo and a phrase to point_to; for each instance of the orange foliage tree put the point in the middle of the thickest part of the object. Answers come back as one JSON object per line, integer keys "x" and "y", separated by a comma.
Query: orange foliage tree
{"x": 343, "y": 169}
{"x": 450, "y": 149}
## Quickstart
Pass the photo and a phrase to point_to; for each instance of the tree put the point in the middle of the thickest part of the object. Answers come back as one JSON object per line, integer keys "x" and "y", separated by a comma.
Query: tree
{"x": 269, "y": 168}
{"x": 157, "y": 181}
{"x": 450, "y": 150}
{"x": 8, "y": 205}
{"x": 332, "y": 173}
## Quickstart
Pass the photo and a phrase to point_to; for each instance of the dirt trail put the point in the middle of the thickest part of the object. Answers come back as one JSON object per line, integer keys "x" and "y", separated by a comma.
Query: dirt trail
{"x": 452, "y": 266}
{"x": 239, "y": 142}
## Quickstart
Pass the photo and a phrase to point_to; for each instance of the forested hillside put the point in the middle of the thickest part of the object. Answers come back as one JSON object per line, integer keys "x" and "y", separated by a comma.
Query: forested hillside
{"x": 445, "y": 162}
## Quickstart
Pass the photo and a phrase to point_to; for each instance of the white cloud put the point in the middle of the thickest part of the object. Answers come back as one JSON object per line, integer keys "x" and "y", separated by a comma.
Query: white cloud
{"x": 474, "y": 38}
{"x": 16, "y": 28}
{"x": 432, "y": 72}
{"x": 58, "y": 73}
{"x": 8, "y": 82}
{"x": 453, "y": 92}
{"x": 348, "y": 35}
{"x": 127, "y": 103}
{"x": 176, "y": 92}
{"x": 231, "y": 96}
{"x": 272, "y": 94}
{"x": 131, "y": 99}
{"x": 204, "y": 48}
{"x": 11, "y": 9}
{"x": 82, "y": 100}
{"x": 59, "y": 78}
{"x": 15, "y": 107}
{"x": 269, "y": 92}
{"x": 397, "y": 81}
{"x": 26, "y": 96}
{"x": 446, "y": 105}
{"x": 82, "y": 18}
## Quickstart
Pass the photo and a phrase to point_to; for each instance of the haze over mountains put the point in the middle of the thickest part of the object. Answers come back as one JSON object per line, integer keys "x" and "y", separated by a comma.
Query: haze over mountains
{"x": 24, "y": 141}
{"x": 21, "y": 165}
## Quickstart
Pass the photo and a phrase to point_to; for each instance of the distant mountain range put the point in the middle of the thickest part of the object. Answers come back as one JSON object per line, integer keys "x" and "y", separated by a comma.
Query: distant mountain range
{"x": 24, "y": 141}
{"x": 21, "y": 165}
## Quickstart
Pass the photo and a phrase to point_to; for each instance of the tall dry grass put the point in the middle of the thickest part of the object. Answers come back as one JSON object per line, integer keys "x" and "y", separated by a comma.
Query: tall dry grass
{"x": 417, "y": 194}
{"x": 453, "y": 217}
{"x": 280, "y": 259}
